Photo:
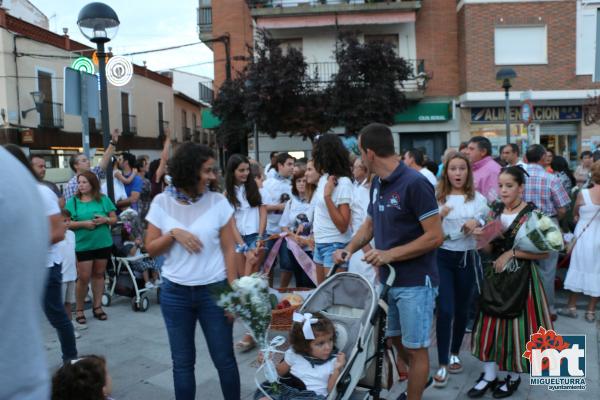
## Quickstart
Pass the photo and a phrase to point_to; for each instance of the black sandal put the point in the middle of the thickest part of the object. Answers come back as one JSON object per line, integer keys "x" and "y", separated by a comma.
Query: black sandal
{"x": 101, "y": 315}
{"x": 80, "y": 319}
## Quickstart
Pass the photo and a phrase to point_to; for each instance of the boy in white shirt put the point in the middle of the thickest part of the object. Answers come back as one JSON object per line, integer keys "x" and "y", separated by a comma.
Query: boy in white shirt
{"x": 276, "y": 192}
{"x": 69, "y": 269}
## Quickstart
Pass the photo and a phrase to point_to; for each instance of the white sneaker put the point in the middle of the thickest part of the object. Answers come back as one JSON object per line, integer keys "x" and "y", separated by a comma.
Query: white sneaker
{"x": 149, "y": 285}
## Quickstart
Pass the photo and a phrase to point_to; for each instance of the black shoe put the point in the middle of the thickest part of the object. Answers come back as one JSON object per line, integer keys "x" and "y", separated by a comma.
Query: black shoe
{"x": 475, "y": 393}
{"x": 511, "y": 386}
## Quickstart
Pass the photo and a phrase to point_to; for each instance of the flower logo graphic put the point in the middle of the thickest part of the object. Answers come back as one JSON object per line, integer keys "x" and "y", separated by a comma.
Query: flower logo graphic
{"x": 545, "y": 339}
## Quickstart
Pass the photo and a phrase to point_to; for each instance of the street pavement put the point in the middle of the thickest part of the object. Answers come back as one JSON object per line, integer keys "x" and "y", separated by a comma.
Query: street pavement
{"x": 136, "y": 347}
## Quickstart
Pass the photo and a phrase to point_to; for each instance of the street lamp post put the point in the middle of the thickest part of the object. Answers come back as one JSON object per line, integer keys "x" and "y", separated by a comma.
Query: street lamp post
{"x": 99, "y": 23}
{"x": 505, "y": 75}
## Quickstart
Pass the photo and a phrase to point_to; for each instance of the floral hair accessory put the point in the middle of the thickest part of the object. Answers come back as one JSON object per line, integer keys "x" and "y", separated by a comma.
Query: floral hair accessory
{"x": 307, "y": 320}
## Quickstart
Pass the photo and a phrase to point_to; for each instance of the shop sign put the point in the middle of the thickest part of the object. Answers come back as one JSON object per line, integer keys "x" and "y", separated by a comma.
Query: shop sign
{"x": 539, "y": 114}
{"x": 27, "y": 136}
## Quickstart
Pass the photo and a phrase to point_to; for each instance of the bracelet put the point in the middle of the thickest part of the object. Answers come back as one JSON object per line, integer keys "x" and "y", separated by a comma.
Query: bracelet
{"x": 171, "y": 234}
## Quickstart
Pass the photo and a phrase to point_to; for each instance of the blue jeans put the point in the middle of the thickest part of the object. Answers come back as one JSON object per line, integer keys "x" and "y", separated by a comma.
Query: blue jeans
{"x": 182, "y": 306}
{"x": 250, "y": 240}
{"x": 410, "y": 314}
{"x": 54, "y": 308}
{"x": 457, "y": 284}
{"x": 324, "y": 253}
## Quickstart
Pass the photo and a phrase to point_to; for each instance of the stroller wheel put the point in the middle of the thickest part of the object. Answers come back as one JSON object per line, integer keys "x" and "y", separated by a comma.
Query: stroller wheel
{"x": 106, "y": 299}
{"x": 144, "y": 304}
{"x": 134, "y": 305}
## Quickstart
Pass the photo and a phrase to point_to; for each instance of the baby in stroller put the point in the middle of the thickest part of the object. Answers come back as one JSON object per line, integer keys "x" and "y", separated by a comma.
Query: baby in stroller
{"x": 311, "y": 366}
{"x": 146, "y": 266}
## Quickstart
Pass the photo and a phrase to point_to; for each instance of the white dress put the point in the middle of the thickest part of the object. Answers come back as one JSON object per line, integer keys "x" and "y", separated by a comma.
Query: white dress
{"x": 584, "y": 271}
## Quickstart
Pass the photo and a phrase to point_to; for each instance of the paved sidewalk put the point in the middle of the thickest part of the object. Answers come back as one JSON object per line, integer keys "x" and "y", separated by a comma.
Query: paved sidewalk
{"x": 136, "y": 347}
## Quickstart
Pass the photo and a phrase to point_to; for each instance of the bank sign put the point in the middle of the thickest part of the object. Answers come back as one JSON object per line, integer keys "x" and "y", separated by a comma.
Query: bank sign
{"x": 540, "y": 114}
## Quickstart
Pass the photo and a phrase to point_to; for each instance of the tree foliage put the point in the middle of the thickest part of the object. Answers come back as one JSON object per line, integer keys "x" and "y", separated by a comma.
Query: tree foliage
{"x": 275, "y": 92}
{"x": 367, "y": 87}
{"x": 280, "y": 96}
{"x": 229, "y": 107}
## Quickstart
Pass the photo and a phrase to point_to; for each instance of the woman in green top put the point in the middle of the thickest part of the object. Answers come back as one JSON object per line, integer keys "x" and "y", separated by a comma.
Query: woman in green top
{"x": 92, "y": 213}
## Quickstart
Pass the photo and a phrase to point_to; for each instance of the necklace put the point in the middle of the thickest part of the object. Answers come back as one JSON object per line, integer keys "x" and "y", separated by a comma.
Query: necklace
{"x": 513, "y": 208}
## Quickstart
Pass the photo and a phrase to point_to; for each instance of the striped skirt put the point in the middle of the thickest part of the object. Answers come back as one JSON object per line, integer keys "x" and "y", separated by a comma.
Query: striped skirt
{"x": 504, "y": 341}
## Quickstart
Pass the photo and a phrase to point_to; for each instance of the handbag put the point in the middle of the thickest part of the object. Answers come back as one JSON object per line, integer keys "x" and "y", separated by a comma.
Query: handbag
{"x": 504, "y": 294}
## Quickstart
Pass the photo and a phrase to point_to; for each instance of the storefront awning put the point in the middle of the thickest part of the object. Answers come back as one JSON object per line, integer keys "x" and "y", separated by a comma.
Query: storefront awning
{"x": 425, "y": 112}
{"x": 210, "y": 120}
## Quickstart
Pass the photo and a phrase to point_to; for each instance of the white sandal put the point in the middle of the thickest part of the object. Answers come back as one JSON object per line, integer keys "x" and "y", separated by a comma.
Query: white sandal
{"x": 440, "y": 379}
{"x": 454, "y": 360}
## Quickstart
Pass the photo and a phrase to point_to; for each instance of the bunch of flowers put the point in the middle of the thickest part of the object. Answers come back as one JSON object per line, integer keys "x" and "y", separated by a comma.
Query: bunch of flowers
{"x": 248, "y": 299}
{"x": 538, "y": 234}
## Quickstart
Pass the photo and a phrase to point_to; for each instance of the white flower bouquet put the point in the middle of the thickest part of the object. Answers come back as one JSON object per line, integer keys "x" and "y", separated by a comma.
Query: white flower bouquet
{"x": 248, "y": 299}
{"x": 539, "y": 234}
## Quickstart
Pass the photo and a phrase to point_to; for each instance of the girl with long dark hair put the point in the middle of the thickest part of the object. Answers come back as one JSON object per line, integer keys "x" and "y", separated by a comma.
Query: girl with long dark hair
{"x": 332, "y": 200}
{"x": 505, "y": 324}
{"x": 250, "y": 216}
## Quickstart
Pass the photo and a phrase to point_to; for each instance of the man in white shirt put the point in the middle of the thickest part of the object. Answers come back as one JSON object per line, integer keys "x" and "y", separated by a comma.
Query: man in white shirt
{"x": 414, "y": 159}
{"x": 277, "y": 191}
{"x": 510, "y": 154}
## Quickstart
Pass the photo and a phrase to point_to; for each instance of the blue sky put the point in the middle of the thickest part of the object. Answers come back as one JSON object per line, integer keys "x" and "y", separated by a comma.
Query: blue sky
{"x": 145, "y": 25}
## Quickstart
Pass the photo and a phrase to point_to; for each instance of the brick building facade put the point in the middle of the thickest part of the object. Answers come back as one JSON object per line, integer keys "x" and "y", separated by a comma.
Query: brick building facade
{"x": 539, "y": 41}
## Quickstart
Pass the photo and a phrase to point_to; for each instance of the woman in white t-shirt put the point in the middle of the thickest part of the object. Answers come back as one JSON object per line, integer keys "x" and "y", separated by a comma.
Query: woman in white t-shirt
{"x": 193, "y": 228}
{"x": 333, "y": 197}
{"x": 250, "y": 215}
{"x": 461, "y": 208}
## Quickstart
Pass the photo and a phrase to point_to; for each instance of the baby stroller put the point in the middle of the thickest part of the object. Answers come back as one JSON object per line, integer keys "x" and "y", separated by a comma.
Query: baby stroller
{"x": 359, "y": 316}
{"x": 123, "y": 279}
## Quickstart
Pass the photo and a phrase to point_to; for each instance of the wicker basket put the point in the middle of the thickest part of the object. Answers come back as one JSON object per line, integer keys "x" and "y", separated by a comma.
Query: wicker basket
{"x": 281, "y": 320}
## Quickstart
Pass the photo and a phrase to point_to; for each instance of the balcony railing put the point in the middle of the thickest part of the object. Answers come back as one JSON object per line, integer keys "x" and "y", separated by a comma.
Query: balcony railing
{"x": 323, "y": 73}
{"x": 186, "y": 133}
{"x": 51, "y": 115}
{"x": 205, "y": 16}
{"x": 206, "y": 91}
{"x": 129, "y": 124}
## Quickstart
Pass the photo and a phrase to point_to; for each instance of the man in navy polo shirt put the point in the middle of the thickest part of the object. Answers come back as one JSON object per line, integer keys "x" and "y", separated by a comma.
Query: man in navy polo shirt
{"x": 404, "y": 220}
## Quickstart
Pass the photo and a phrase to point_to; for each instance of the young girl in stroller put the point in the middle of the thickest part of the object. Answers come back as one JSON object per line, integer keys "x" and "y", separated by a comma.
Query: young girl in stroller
{"x": 312, "y": 365}
{"x": 146, "y": 266}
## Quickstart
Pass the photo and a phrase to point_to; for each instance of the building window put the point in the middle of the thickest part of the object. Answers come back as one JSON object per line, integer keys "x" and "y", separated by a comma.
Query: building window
{"x": 521, "y": 45}
{"x": 391, "y": 39}
{"x": 588, "y": 22}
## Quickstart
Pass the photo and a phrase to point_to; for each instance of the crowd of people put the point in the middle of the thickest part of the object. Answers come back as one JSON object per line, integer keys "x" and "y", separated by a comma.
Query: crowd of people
{"x": 302, "y": 217}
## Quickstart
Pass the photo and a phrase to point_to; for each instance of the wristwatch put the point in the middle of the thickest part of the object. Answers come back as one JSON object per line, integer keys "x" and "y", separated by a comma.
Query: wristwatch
{"x": 113, "y": 143}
